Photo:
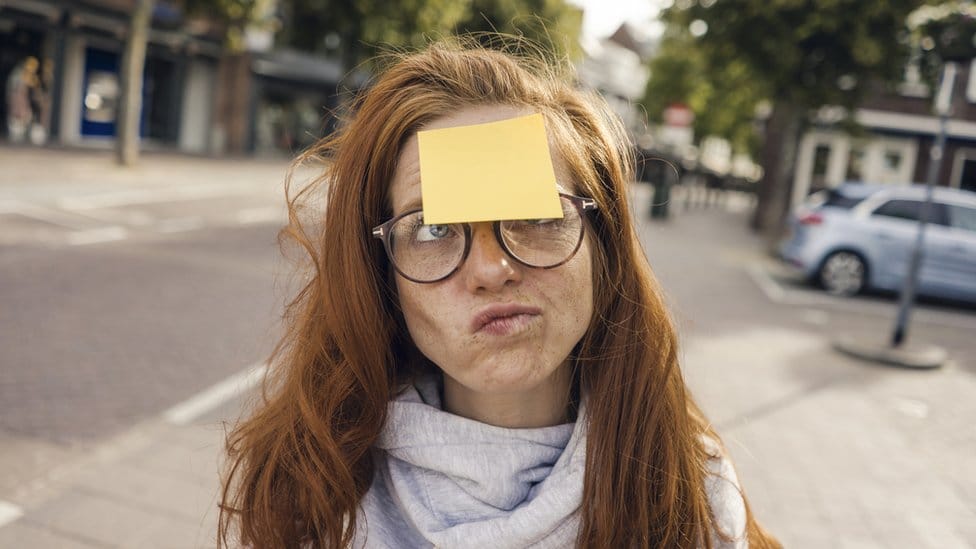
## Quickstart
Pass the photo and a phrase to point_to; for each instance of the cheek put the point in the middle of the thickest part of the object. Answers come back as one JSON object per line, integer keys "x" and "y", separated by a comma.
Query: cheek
{"x": 409, "y": 302}
{"x": 420, "y": 311}
{"x": 576, "y": 290}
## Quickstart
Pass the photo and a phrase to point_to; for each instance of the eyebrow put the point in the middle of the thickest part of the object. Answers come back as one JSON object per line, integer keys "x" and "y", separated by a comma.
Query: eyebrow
{"x": 414, "y": 204}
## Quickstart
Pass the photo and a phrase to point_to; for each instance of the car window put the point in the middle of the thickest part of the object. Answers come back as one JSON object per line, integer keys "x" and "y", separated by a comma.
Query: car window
{"x": 962, "y": 217}
{"x": 911, "y": 210}
{"x": 838, "y": 200}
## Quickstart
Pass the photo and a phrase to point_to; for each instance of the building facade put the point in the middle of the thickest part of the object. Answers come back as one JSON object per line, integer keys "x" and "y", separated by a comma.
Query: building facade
{"x": 59, "y": 64}
{"x": 899, "y": 132}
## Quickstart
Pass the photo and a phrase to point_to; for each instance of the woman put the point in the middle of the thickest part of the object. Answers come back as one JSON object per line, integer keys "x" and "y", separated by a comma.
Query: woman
{"x": 504, "y": 390}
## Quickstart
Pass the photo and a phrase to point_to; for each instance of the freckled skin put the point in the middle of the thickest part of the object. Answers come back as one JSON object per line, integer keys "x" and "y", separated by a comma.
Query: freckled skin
{"x": 518, "y": 379}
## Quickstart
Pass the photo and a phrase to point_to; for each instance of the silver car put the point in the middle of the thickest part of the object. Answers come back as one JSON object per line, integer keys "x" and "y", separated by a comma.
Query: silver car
{"x": 860, "y": 236}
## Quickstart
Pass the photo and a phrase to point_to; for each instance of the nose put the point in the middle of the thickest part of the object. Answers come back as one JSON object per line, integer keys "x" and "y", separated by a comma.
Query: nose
{"x": 488, "y": 266}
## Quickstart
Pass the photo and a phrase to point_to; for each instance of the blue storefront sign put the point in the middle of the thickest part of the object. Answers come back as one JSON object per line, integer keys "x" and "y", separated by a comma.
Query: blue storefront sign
{"x": 102, "y": 93}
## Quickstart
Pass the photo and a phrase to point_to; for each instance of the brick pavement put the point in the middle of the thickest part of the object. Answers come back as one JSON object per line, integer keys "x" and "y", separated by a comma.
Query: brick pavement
{"x": 833, "y": 452}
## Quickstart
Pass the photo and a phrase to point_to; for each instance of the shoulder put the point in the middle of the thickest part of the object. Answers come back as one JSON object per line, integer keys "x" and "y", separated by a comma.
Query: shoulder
{"x": 725, "y": 499}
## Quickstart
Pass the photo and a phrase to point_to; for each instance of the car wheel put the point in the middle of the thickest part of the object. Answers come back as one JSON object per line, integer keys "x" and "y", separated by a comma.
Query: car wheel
{"x": 843, "y": 273}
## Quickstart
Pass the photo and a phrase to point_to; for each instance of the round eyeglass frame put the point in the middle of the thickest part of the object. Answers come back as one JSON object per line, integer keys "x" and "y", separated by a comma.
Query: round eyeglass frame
{"x": 383, "y": 231}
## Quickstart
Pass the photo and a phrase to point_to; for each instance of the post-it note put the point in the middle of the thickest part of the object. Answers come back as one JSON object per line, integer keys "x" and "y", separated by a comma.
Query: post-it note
{"x": 485, "y": 172}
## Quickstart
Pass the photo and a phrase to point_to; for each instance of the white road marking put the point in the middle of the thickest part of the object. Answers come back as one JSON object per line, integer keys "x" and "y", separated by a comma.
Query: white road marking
{"x": 209, "y": 399}
{"x": 48, "y": 215}
{"x": 179, "y": 224}
{"x": 768, "y": 286}
{"x": 9, "y": 513}
{"x": 95, "y": 236}
{"x": 149, "y": 196}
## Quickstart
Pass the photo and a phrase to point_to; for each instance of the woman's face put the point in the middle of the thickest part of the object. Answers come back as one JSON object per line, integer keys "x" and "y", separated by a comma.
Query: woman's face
{"x": 495, "y": 326}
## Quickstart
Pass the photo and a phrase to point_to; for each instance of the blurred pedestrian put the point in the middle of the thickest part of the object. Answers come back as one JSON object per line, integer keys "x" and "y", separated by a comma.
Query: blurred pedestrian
{"x": 28, "y": 102}
{"x": 483, "y": 384}
{"x": 21, "y": 82}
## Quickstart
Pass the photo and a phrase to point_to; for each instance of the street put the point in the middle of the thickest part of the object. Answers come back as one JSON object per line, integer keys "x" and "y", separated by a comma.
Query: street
{"x": 120, "y": 300}
{"x": 128, "y": 299}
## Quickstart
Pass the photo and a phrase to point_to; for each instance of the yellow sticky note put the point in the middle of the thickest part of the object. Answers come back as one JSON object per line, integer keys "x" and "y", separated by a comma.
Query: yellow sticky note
{"x": 484, "y": 172}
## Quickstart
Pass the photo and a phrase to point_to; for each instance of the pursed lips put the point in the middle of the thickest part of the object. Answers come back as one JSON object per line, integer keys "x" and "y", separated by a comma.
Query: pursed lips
{"x": 492, "y": 313}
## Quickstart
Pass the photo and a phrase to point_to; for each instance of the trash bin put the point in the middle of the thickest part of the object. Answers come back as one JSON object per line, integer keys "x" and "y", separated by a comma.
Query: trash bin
{"x": 661, "y": 198}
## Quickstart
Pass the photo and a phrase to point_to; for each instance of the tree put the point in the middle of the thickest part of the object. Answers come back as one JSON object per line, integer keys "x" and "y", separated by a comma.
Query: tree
{"x": 133, "y": 63}
{"x": 354, "y": 30}
{"x": 357, "y": 30}
{"x": 724, "y": 102}
{"x": 803, "y": 54}
{"x": 232, "y": 15}
{"x": 553, "y": 24}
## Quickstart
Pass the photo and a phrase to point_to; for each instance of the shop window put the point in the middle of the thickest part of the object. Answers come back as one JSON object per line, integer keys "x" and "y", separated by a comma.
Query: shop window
{"x": 101, "y": 97}
{"x": 821, "y": 161}
{"x": 101, "y": 93}
{"x": 855, "y": 165}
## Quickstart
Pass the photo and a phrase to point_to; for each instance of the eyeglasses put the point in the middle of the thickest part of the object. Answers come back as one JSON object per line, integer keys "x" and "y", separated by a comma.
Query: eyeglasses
{"x": 430, "y": 253}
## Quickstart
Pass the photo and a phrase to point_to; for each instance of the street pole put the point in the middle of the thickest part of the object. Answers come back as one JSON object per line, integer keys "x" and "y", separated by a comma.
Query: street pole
{"x": 943, "y": 103}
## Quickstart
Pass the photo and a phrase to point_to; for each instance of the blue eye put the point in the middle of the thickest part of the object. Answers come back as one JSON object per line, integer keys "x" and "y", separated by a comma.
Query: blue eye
{"x": 427, "y": 233}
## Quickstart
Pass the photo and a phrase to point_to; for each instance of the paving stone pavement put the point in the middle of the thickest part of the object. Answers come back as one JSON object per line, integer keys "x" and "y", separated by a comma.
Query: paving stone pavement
{"x": 154, "y": 486}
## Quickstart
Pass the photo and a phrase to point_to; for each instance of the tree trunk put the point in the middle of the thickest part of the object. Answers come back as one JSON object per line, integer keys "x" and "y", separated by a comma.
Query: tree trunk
{"x": 779, "y": 164}
{"x": 133, "y": 64}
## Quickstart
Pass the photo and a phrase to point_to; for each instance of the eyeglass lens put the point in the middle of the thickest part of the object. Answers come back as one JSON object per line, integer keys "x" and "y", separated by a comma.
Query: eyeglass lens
{"x": 430, "y": 252}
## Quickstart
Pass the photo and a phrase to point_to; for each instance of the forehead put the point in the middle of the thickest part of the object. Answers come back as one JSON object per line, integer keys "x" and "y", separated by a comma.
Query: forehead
{"x": 405, "y": 193}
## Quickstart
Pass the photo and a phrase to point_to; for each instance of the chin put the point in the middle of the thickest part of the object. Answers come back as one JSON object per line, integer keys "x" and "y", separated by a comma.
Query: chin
{"x": 508, "y": 378}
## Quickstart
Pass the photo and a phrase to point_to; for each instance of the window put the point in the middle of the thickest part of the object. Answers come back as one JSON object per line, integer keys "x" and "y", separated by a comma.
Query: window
{"x": 838, "y": 200}
{"x": 892, "y": 160}
{"x": 821, "y": 159}
{"x": 911, "y": 210}
{"x": 102, "y": 96}
{"x": 821, "y": 155}
{"x": 855, "y": 165}
{"x": 967, "y": 179}
{"x": 962, "y": 217}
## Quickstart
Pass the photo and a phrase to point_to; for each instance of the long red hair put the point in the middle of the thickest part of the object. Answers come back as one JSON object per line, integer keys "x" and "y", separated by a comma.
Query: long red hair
{"x": 299, "y": 466}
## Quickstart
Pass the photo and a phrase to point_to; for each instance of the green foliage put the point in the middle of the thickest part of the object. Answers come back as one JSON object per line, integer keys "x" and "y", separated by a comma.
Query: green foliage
{"x": 553, "y": 24}
{"x": 723, "y": 99}
{"x": 944, "y": 31}
{"x": 805, "y": 53}
{"x": 234, "y": 16}
{"x": 356, "y": 30}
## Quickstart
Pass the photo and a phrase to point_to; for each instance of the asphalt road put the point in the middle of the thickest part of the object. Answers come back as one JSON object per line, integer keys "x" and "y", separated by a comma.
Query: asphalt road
{"x": 118, "y": 302}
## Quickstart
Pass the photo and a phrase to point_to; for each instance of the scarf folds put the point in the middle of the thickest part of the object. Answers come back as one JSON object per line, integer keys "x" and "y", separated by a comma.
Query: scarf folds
{"x": 446, "y": 481}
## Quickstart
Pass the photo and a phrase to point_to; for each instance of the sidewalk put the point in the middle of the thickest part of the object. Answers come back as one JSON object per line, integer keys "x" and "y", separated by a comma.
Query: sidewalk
{"x": 153, "y": 486}
{"x": 57, "y": 169}
{"x": 833, "y": 452}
